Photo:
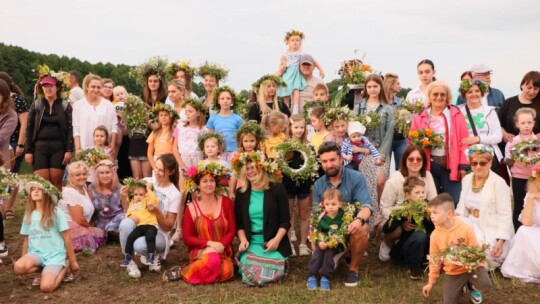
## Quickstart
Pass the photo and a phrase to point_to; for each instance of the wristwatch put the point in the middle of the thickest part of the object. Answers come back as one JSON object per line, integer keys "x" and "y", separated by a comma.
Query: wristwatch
{"x": 362, "y": 220}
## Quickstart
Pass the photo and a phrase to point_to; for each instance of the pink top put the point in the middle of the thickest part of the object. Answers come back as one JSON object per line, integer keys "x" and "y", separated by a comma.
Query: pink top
{"x": 518, "y": 169}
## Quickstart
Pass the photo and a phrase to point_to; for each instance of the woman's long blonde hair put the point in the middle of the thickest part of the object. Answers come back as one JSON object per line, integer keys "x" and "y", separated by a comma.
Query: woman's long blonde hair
{"x": 263, "y": 179}
{"x": 262, "y": 98}
{"x": 47, "y": 214}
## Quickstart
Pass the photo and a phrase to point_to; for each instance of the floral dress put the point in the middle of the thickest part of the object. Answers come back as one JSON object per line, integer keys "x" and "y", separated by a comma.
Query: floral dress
{"x": 108, "y": 210}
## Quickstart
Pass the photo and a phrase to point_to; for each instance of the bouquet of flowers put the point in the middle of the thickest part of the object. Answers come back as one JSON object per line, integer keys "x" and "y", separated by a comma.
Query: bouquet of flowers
{"x": 335, "y": 237}
{"x": 469, "y": 257}
{"x": 526, "y": 152}
{"x": 370, "y": 120}
{"x": 91, "y": 156}
{"x": 415, "y": 211}
{"x": 8, "y": 180}
{"x": 136, "y": 115}
{"x": 403, "y": 115}
{"x": 426, "y": 139}
{"x": 353, "y": 76}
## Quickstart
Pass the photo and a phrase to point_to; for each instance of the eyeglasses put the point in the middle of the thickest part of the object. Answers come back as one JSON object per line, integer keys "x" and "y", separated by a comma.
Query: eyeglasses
{"x": 415, "y": 159}
{"x": 482, "y": 163}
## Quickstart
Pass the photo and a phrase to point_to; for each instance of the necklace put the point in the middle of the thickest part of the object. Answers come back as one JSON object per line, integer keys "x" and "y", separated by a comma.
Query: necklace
{"x": 475, "y": 186}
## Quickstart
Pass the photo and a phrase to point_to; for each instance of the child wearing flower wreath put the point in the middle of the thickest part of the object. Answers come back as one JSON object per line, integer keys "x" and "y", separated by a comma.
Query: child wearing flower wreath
{"x": 212, "y": 144}
{"x": 289, "y": 70}
{"x": 275, "y": 124}
{"x": 322, "y": 261}
{"x": 47, "y": 243}
{"x": 521, "y": 171}
{"x": 226, "y": 121}
{"x": 161, "y": 140}
{"x": 338, "y": 120}
{"x": 450, "y": 231}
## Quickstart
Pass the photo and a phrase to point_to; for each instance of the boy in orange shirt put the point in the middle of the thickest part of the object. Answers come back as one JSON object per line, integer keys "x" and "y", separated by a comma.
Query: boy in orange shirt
{"x": 451, "y": 231}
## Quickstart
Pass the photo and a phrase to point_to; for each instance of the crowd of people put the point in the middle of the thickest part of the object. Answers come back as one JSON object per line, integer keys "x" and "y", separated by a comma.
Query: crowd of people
{"x": 206, "y": 171}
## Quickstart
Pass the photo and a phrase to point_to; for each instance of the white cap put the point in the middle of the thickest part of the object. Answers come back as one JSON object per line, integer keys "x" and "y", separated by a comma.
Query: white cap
{"x": 356, "y": 127}
{"x": 480, "y": 69}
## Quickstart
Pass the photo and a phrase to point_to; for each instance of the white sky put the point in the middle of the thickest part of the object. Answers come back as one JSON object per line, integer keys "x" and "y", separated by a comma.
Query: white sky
{"x": 247, "y": 36}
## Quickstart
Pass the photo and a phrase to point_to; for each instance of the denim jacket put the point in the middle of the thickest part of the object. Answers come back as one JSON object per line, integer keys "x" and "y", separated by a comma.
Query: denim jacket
{"x": 383, "y": 136}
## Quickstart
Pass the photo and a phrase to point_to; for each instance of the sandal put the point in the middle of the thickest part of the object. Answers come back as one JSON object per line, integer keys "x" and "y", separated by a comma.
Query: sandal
{"x": 172, "y": 275}
{"x": 9, "y": 214}
{"x": 36, "y": 281}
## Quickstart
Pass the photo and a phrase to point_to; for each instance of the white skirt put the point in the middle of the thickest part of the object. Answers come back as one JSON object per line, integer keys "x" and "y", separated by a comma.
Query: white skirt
{"x": 523, "y": 260}
{"x": 483, "y": 239}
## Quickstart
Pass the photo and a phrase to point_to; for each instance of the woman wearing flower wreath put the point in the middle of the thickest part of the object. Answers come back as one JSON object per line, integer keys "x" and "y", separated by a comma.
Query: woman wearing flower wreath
{"x": 267, "y": 100}
{"x": 209, "y": 227}
{"x": 175, "y": 98}
{"x": 482, "y": 120}
{"x": 49, "y": 136}
{"x": 78, "y": 207}
{"x": 212, "y": 74}
{"x": 485, "y": 203}
{"x": 184, "y": 72}
{"x": 262, "y": 211}
{"x": 374, "y": 100}
{"x": 446, "y": 120}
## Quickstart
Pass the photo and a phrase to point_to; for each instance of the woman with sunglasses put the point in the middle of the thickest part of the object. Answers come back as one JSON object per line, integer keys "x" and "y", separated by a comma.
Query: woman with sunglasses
{"x": 486, "y": 204}
{"x": 413, "y": 163}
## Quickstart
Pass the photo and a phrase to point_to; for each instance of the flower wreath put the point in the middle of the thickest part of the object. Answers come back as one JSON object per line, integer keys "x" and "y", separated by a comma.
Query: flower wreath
{"x": 526, "y": 152}
{"x": 61, "y": 77}
{"x": 196, "y": 104}
{"x": 294, "y": 33}
{"x": 27, "y": 181}
{"x": 310, "y": 105}
{"x": 8, "y": 180}
{"x": 91, "y": 156}
{"x": 213, "y": 69}
{"x": 184, "y": 66}
{"x": 236, "y": 104}
{"x": 479, "y": 148}
{"x": 211, "y": 134}
{"x": 160, "y": 107}
{"x": 468, "y": 257}
{"x": 136, "y": 115}
{"x": 257, "y": 157}
{"x": 467, "y": 84}
{"x": 277, "y": 80}
{"x": 132, "y": 183}
{"x": 334, "y": 114}
{"x": 336, "y": 237}
{"x": 371, "y": 120}
{"x": 221, "y": 174}
{"x": 307, "y": 171}
{"x": 251, "y": 128}
{"x": 415, "y": 211}
{"x": 154, "y": 66}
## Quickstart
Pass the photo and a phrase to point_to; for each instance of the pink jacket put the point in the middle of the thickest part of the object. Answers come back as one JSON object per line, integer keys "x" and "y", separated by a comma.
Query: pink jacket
{"x": 455, "y": 155}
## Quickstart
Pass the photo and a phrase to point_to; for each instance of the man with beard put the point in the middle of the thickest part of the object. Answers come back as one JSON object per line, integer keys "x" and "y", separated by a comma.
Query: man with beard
{"x": 352, "y": 186}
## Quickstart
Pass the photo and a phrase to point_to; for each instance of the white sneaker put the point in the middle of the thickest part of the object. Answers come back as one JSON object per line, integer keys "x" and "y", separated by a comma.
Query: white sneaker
{"x": 384, "y": 252}
{"x": 293, "y": 250}
{"x": 3, "y": 250}
{"x": 177, "y": 236}
{"x": 293, "y": 236}
{"x": 133, "y": 270}
{"x": 303, "y": 250}
{"x": 156, "y": 265}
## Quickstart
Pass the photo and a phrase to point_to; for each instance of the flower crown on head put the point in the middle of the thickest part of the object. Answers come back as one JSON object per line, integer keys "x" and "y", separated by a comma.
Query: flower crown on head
{"x": 113, "y": 165}
{"x": 196, "y": 104}
{"x": 220, "y": 173}
{"x": 160, "y": 107}
{"x": 253, "y": 128}
{"x": 154, "y": 66}
{"x": 467, "y": 84}
{"x": 334, "y": 114}
{"x": 213, "y": 69}
{"x": 235, "y": 103}
{"x": 206, "y": 135}
{"x": 268, "y": 77}
{"x": 184, "y": 66}
{"x": 62, "y": 79}
{"x": 293, "y": 33}
{"x": 27, "y": 181}
{"x": 479, "y": 148}
{"x": 258, "y": 159}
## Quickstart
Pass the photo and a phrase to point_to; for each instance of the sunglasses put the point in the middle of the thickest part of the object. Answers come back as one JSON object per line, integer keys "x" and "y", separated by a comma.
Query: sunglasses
{"x": 415, "y": 159}
{"x": 481, "y": 163}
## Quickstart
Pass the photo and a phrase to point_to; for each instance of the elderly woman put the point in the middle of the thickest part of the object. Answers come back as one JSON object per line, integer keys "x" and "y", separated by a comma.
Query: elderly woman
{"x": 166, "y": 179}
{"x": 486, "y": 204}
{"x": 105, "y": 193}
{"x": 403, "y": 243}
{"x": 445, "y": 120}
{"x": 262, "y": 213}
{"x": 209, "y": 227}
{"x": 522, "y": 259}
{"x": 79, "y": 209}
{"x": 482, "y": 120}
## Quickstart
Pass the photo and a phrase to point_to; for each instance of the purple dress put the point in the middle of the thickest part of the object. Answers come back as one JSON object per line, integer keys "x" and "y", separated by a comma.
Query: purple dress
{"x": 108, "y": 210}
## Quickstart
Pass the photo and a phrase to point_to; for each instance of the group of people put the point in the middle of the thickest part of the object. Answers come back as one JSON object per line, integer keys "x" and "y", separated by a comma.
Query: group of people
{"x": 204, "y": 171}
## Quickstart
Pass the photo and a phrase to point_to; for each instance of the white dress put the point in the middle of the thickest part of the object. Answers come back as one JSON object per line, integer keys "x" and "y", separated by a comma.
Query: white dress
{"x": 523, "y": 260}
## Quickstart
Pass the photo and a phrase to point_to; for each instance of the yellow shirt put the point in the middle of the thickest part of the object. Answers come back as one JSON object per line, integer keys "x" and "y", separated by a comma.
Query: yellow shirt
{"x": 317, "y": 139}
{"x": 270, "y": 144}
{"x": 139, "y": 209}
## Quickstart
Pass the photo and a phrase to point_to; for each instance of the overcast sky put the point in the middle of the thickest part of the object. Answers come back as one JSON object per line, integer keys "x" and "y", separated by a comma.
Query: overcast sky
{"x": 246, "y": 36}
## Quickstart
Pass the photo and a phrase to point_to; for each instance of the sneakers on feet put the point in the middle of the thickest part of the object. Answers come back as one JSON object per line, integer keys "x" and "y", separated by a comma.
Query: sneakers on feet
{"x": 352, "y": 279}
{"x": 133, "y": 270}
{"x": 325, "y": 284}
{"x": 293, "y": 250}
{"x": 312, "y": 283}
{"x": 156, "y": 264}
{"x": 3, "y": 250}
{"x": 148, "y": 260}
{"x": 476, "y": 296}
{"x": 303, "y": 250}
{"x": 126, "y": 260}
{"x": 177, "y": 236}
{"x": 416, "y": 274}
{"x": 293, "y": 236}
{"x": 384, "y": 252}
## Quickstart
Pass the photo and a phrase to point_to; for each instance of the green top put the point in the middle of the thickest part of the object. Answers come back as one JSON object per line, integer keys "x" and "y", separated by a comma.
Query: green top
{"x": 256, "y": 202}
{"x": 327, "y": 224}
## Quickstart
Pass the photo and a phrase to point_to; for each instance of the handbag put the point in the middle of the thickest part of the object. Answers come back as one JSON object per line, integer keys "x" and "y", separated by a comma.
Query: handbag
{"x": 261, "y": 271}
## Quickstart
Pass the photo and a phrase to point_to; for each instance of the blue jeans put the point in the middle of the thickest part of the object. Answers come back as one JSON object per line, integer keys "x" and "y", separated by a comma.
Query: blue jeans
{"x": 398, "y": 147}
{"x": 18, "y": 160}
{"x": 127, "y": 225}
{"x": 441, "y": 177}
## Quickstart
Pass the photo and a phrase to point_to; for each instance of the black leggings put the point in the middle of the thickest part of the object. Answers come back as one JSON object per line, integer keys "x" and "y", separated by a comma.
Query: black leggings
{"x": 1, "y": 227}
{"x": 48, "y": 154}
{"x": 149, "y": 232}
